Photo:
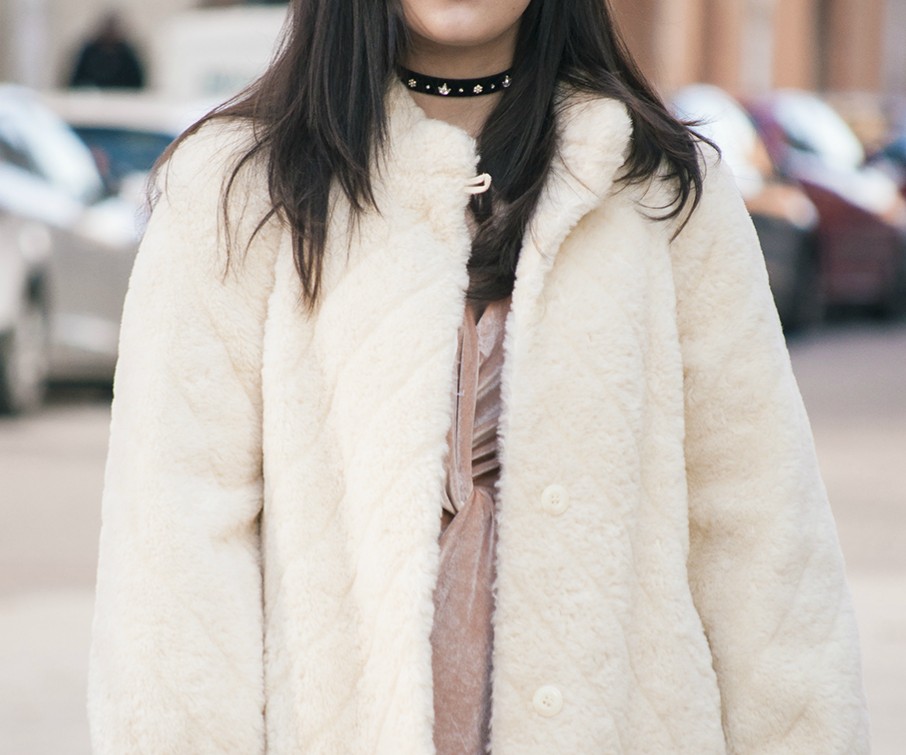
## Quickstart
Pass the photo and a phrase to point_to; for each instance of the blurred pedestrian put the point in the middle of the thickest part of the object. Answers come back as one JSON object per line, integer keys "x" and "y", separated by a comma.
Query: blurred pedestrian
{"x": 108, "y": 60}
{"x": 454, "y": 415}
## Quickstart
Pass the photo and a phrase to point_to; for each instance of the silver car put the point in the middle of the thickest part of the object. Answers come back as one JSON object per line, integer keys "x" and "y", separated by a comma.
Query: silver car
{"x": 66, "y": 251}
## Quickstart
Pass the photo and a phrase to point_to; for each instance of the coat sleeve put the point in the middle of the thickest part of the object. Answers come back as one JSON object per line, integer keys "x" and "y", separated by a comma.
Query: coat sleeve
{"x": 765, "y": 567}
{"x": 176, "y": 656}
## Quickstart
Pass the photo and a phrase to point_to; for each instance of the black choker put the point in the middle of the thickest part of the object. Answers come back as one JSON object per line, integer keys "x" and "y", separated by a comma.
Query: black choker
{"x": 418, "y": 82}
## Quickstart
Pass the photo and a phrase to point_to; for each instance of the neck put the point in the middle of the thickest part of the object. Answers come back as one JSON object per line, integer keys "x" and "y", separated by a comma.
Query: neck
{"x": 468, "y": 113}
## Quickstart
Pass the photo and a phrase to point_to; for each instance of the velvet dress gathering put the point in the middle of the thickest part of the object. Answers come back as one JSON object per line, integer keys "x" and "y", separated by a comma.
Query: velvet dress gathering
{"x": 462, "y": 636}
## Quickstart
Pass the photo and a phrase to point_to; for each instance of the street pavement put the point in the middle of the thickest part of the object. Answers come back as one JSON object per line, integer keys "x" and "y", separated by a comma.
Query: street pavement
{"x": 852, "y": 375}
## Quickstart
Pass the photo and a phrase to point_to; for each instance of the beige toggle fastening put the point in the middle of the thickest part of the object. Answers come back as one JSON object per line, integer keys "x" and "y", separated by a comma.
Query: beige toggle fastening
{"x": 479, "y": 184}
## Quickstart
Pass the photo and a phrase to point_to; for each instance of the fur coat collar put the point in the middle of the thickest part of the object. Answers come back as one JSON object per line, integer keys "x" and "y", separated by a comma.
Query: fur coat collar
{"x": 273, "y": 488}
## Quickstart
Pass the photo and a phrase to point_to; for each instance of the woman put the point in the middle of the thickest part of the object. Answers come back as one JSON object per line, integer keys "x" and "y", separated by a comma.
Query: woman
{"x": 343, "y": 323}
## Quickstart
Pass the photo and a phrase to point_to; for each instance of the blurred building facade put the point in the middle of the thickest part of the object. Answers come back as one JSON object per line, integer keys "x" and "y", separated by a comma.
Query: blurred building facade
{"x": 749, "y": 46}
{"x": 743, "y": 45}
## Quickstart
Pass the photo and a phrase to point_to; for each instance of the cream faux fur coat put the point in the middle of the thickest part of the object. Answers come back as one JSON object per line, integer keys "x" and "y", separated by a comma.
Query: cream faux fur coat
{"x": 669, "y": 576}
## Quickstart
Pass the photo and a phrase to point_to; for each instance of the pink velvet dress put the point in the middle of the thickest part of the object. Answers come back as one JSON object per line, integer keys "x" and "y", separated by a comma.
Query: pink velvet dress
{"x": 462, "y": 636}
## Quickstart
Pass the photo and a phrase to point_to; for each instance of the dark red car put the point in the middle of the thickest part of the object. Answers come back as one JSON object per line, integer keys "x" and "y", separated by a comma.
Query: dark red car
{"x": 862, "y": 227}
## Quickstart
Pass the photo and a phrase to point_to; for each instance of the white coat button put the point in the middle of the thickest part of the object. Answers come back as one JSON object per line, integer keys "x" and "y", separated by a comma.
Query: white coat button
{"x": 548, "y": 700}
{"x": 555, "y": 499}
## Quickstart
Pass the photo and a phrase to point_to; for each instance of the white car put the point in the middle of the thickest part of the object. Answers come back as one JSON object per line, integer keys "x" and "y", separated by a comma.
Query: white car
{"x": 66, "y": 249}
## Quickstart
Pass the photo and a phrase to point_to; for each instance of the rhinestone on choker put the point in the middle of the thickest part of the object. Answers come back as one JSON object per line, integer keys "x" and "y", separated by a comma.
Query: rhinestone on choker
{"x": 419, "y": 82}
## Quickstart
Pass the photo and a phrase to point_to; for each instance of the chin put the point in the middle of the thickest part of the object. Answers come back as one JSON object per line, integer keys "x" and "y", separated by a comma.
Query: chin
{"x": 462, "y": 23}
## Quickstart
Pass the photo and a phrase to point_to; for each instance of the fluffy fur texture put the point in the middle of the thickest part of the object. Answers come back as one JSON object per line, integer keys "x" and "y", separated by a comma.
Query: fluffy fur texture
{"x": 271, "y": 513}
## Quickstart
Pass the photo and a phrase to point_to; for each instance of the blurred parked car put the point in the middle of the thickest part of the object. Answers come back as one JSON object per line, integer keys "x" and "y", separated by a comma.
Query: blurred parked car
{"x": 784, "y": 217}
{"x": 24, "y": 318}
{"x": 862, "y": 229}
{"x": 67, "y": 247}
{"x": 126, "y": 132}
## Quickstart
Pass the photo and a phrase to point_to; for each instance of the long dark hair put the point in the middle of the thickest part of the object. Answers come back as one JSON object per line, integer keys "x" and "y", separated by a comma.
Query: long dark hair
{"x": 319, "y": 118}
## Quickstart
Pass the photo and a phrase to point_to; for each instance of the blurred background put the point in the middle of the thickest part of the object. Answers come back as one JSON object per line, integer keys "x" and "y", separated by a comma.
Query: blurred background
{"x": 806, "y": 98}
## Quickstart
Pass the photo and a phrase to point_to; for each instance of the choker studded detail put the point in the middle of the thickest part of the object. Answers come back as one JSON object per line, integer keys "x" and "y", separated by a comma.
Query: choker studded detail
{"x": 419, "y": 82}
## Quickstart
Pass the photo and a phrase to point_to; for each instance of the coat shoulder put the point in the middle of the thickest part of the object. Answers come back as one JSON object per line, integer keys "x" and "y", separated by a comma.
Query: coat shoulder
{"x": 217, "y": 161}
{"x": 208, "y": 153}
{"x": 718, "y": 219}
{"x": 210, "y": 204}
{"x": 214, "y": 185}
